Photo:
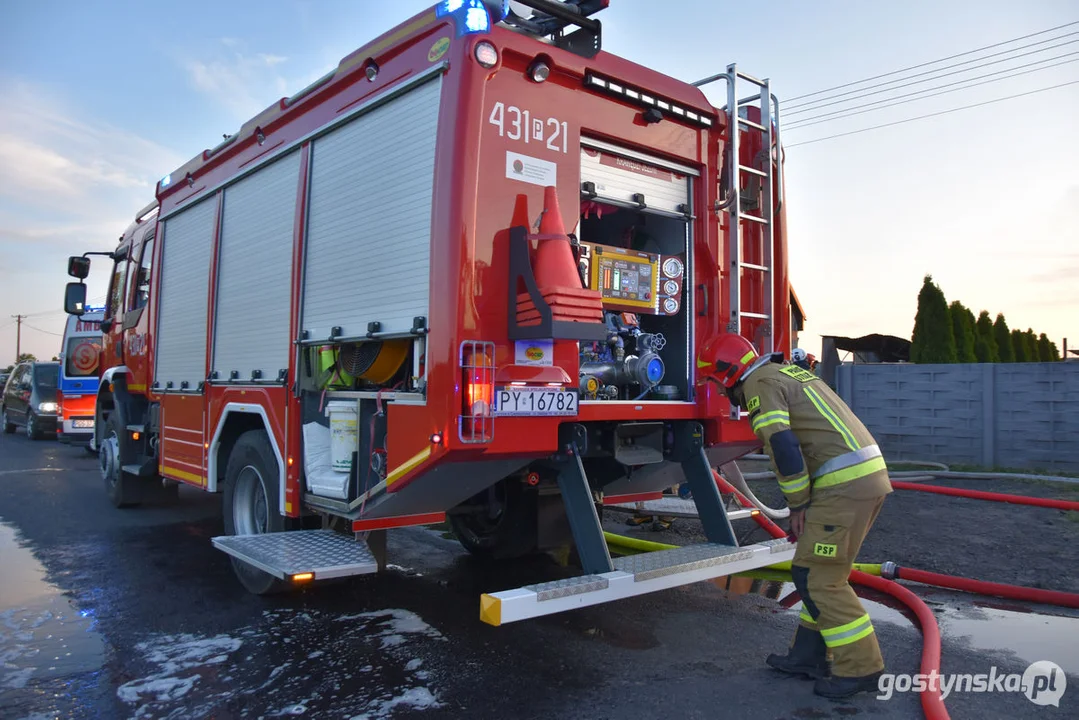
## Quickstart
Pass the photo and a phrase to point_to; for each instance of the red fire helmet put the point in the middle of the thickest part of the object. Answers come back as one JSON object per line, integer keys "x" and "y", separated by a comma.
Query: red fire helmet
{"x": 725, "y": 358}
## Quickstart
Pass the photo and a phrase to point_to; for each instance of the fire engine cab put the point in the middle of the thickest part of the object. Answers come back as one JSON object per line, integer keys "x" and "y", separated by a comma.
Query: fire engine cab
{"x": 462, "y": 277}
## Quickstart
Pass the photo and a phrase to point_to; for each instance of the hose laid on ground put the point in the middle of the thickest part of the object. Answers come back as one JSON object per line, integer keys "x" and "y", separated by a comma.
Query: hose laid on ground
{"x": 932, "y": 702}
{"x": 954, "y": 475}
{"x": 981, "y": 587}
{"x": 984, "y": 495}
{"x": 635, "y": 543}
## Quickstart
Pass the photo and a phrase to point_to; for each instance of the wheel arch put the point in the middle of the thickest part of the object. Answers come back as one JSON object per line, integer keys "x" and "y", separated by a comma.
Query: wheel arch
{"x": 235, "y": 420}
{"x": 108, "y": 400}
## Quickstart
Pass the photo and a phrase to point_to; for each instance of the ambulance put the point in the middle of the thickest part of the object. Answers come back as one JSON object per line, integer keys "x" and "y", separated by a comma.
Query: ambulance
{"x": 80, "y": 365}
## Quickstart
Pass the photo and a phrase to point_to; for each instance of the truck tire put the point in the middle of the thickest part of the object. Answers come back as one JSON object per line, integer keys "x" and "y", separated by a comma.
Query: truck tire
{"x": 123, "y": 488}
{"x": 505, "y": 528}
{"x": 250, "y": 504}
{"x": 9, "y": 427}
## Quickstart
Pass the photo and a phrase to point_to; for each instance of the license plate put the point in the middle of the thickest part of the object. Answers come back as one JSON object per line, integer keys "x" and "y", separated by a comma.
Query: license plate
{"x": 82, "y": 423}
{"x": 534, "y": 401}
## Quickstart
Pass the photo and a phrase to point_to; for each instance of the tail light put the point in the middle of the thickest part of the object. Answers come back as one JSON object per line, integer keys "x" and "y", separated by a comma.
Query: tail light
{"x": 477, "y": 391}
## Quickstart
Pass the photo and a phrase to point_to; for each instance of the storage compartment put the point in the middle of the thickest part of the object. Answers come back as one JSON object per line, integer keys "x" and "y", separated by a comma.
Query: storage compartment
{"x": 637, "y": 260}
{"x": 360, "y": 428}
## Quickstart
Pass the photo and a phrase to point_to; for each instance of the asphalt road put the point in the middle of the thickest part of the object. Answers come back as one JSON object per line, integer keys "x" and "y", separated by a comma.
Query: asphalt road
{"x": 109, "y": 613}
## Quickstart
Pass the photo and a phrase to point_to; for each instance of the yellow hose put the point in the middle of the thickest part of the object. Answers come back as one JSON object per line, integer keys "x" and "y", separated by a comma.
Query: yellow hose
{"x": 636, "y": 544}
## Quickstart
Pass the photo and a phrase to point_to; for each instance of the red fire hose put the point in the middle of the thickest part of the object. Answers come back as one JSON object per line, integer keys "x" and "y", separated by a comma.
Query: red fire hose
{"x": 932, "y": 703}
{"x": 983, "y": 495}
{"x": 981, "y": 587}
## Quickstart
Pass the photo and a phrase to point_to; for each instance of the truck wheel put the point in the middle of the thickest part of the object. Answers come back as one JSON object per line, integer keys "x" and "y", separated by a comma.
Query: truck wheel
{"x": 500, "y": 522}
{"x": 9, "y": 427}
{"x": 122, "y": 487}
{"x": 250, "y": 504}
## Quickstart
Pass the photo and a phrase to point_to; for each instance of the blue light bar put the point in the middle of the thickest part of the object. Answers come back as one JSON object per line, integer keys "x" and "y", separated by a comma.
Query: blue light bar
{"x": 469, "y": 16}
{"x": 166, "y": 180}
{"x": 448, "y": 7}
{"x": 476, "y": 19}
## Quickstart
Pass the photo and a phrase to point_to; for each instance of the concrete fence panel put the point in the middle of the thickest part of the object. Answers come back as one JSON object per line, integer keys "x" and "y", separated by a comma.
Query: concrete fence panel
{"x": 1023, "y": 415}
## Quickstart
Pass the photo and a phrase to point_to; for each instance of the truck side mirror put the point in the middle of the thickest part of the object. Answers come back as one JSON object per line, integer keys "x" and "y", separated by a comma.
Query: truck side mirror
{"x": 78, "y": 267}
{"x": 75, "y": 297}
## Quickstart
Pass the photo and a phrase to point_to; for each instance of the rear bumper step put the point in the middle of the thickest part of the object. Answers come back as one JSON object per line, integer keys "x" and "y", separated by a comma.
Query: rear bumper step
{"x": 323, "y": 553}
{"x": 633, "y": 575}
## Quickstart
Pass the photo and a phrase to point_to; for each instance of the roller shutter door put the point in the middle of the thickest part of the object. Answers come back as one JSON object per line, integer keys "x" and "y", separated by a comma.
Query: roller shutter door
{"x": 620, "y": 178}
{"x": 185, "y": 288}
{"x": 251, "y": 333}
{"x": 369, "y": 222}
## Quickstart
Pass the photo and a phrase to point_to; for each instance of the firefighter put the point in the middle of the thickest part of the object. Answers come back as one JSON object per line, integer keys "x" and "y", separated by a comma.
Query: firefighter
{"x": 800, "y": 358}
{"x": 834, "y": 479}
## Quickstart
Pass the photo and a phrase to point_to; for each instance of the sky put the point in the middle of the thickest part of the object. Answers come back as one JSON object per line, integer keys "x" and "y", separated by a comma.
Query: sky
{"x": 99, "y": 102}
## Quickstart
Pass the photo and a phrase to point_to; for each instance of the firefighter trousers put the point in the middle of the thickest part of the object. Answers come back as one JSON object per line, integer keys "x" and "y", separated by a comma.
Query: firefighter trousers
{"x": 834, "y": 530}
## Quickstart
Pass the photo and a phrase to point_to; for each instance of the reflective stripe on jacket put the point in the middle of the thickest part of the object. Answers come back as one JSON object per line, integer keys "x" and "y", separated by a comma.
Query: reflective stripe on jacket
{"x": 838, "y": 453}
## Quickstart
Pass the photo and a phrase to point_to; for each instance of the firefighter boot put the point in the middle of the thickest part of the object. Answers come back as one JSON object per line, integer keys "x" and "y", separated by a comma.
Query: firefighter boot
{"x": 807, "y": 656}
{"x": 837, "y": 688}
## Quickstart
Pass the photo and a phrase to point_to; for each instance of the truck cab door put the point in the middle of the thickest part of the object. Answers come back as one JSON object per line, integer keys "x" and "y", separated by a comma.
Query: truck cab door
{"x": 136, "y": 315}
{"x": 112, "y": 341}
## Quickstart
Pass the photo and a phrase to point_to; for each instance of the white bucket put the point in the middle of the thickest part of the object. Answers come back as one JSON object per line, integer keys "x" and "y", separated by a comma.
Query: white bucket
{"x": 343, "y": 437}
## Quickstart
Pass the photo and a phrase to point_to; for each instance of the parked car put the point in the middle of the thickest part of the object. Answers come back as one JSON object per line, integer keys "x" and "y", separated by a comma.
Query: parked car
{"x": 29, "y": 399}
{"x": 3, "y": 380}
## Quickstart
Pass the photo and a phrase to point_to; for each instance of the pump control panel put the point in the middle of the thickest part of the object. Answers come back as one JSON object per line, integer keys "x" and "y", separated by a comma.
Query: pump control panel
{"x": 634, "y": 281}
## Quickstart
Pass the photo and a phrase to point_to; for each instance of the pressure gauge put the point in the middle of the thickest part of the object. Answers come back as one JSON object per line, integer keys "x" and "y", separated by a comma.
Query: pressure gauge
{"x": 670, "y": 287}
{"x": 672, "y": 267}
{"x": 670, "y": 306}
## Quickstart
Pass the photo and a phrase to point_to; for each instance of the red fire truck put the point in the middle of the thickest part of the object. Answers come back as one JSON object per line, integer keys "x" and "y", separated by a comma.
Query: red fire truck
{"x": 463, "y": 276}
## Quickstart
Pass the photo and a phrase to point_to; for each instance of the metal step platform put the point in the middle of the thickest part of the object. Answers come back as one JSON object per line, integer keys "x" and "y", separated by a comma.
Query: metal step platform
{"x": 301, "y": 554}
{"x": 633, "y": 575}
{"x": 677, "y": 507}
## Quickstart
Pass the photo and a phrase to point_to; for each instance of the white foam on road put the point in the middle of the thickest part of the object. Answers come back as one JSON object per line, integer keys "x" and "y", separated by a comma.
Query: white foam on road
{"x": 291, "y": 663}
{"x": 417, "y": 698}
{"x": 181, "y": 662}
{"x": 395, "y": 625}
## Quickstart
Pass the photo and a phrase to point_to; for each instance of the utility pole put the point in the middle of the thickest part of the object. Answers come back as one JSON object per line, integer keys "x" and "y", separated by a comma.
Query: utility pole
{"x": 18, "y": 336}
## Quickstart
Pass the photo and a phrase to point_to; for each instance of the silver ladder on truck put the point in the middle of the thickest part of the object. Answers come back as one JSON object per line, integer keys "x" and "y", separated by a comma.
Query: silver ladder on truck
{"x": 771, "y": 186}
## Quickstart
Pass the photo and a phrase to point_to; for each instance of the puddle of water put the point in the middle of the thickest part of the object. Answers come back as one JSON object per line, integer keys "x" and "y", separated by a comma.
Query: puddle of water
{"x": 42, "y": 634}
{"x": 1031, "y": 636}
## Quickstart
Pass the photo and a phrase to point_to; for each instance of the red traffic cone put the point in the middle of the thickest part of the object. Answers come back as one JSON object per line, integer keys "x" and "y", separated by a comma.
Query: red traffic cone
{"x": 554, "y": 265}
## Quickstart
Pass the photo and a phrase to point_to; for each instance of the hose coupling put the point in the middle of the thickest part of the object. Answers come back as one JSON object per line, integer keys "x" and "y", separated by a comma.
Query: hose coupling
{"x": 889, "y": 570}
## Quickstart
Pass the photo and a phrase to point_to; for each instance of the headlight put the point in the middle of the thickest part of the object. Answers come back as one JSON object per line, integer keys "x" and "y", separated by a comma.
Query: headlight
{"x": 47, "y": 407}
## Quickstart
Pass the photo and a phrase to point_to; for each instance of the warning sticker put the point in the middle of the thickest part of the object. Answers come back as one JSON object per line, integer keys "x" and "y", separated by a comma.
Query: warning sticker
{"x": 531, "y": 170}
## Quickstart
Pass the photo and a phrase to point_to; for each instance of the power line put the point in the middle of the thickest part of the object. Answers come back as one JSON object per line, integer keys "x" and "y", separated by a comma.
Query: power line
{"x": 817, "y": 105}
{"x": 933, "y": 62}
{"x": 44, "y": 313}
{"x": 929, "y": 115}
{"x": 857, "y": 109}
{"x": 58, "y": 335}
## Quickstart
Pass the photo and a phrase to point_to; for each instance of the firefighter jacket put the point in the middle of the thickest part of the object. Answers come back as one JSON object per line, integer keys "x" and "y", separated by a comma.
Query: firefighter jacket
{"x": 817, "y": 445}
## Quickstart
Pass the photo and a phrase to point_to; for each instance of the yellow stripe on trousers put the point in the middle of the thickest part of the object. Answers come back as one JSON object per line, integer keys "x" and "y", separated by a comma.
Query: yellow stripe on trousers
{"x": 849, "y": 633}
